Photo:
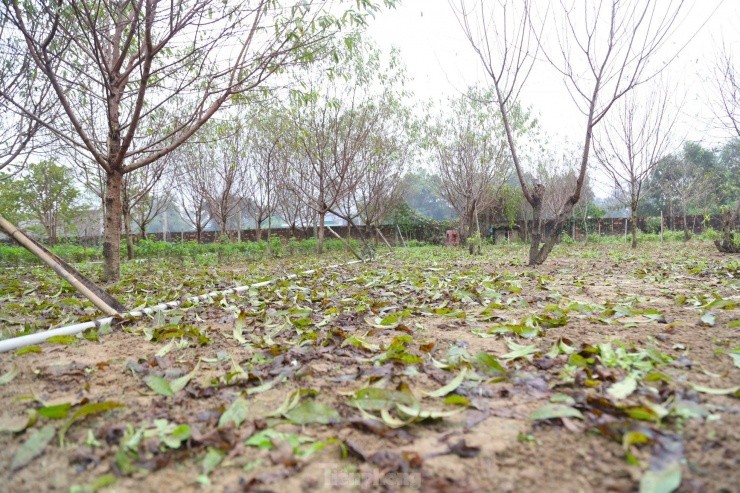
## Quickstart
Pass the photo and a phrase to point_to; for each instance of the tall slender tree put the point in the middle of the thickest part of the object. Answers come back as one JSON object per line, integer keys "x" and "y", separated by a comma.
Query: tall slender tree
{"x": 602, "y": 50}
{"x": 631, "y": 143}
{"x": 470, "y": 150}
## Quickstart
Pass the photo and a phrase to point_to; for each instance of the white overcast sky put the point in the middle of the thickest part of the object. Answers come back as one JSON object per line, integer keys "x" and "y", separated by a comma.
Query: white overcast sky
{"x": 441, "y": 63}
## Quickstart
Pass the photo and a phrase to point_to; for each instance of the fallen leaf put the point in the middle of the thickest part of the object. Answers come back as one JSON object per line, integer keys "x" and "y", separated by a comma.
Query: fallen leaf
{"x": 236, "y": 413}
{"x": 33, "y": 447}
{"x": 310, "y": 411}
{"x": 665, "y": 480}
{"x": 159, "y": 385}
{"x": 8, "y": 376}
{"x": 623, "y": 389}
{"x": 549, "y": 411}
{"x": 450, "y": 387}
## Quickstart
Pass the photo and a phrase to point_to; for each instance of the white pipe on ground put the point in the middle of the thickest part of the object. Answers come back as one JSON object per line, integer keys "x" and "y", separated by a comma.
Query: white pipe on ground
{"x": 39, "y": 337}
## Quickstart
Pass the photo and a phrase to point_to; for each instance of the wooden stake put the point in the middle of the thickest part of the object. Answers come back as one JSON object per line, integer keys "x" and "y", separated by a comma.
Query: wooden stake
{"x": 349, "y": 245}
{"x": 625, "y": 230}
{"x": 399, "y": 234}
{"x": 86, "y": 287}
{"x": 386, "y": 241}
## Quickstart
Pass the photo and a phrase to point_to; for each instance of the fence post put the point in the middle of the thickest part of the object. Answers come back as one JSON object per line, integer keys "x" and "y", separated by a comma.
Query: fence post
{"x": 625, "y": 230}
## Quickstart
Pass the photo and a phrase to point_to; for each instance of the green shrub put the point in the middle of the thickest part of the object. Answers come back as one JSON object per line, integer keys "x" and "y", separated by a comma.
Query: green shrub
{"x": 652, "y": 225}
{"x": 710, "y": 234}
{"x": 416, "y": 243}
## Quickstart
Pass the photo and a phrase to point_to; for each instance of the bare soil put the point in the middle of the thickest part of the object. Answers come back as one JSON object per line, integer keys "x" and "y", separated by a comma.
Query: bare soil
{"x": 298, "y": 334}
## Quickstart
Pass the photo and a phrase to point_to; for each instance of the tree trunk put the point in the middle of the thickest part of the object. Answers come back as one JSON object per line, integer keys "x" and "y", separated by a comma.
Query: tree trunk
{"x": 727, "y": 243}
{"x": 112, "y": 226}
{"x": 548, "y": 243}
{"x": 51, "y": 229}
{"x": 686, "y": 233}
{"x": 269, "y": 233}
{"x": 320, "y": 233}
{"x": 633, "y": 218}
{"x": 536, "y": 232}
{"x": 538, "y": 254}
{"x": 127, "y": 233}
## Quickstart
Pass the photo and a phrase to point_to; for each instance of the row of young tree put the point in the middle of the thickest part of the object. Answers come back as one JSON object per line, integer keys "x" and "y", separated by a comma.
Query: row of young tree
{"x": 274, "y": 109}
{"x": 125, "y": 83}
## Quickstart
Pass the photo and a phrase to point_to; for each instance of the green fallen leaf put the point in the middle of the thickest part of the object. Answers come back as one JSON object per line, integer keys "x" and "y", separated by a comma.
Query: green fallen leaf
{"x": 236, "y": 413}
{"x": 239, "y": 325}
{"x": 375, "y": 399}
{"x": 179, "y": 434}
{"x": 96, "y": 485}
{"x": 212, "y": 459}
{"x": 159, "y": 385}
{"x": 735, "y": 355}
{"x": 562, "y": 399}
{"x": 489, "y": 363}
{"x": 457, "y": 400}
{"x": 549, "y": 411}
{"x": 623, "y": 389}
{"x": 8, "y": 376}
{"x": 309, "y": 411}
{"x": 665, "y": 480}
{"x": 27, "y": 350}
{"x": 178, "y": 384}
{"x": 55, "y": 412}
{"x": 66, "y": 340}
{"x": 689, "y": 409}
{"x": 643, "y": 413}
{"x": 85, "y": 411}
{"x": 519, "y": 351}
{"x": 634, "y": 438}
{"x": 451, "y": 386}
{"x": 417, "y": 413}
{"x": 33, "y": 447}
{"x": 713, "y": 391}
{"x": 360, "y": 343}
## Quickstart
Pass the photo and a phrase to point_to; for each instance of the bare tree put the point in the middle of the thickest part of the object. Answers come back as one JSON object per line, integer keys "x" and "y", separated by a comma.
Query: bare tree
{"x": 125, "y": 69}
{"x": 334, "y": 123}
{"x": 19, "y": 90}
{"x": 190, "y": 189}
{"x": 380, "y": 189}
{"x": 289, "y": 203}
{"x": 137, "y": 193}
{"x": 136, "y": 188}
{"x": 268, "y": 155}
{"x": 222, "y": 172}
{"x": 631, "y": 142}
{"x": 727, "y": 106}
{"x": 728, "y": 85}
{"x": 600, "y": 48}
{"x": 471, "y": 158}
{"x": 153, "y": 204}
{"x": 381, "y": 160}
{"x": 330, "y": 137}
{"x": 684, "y": 181}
